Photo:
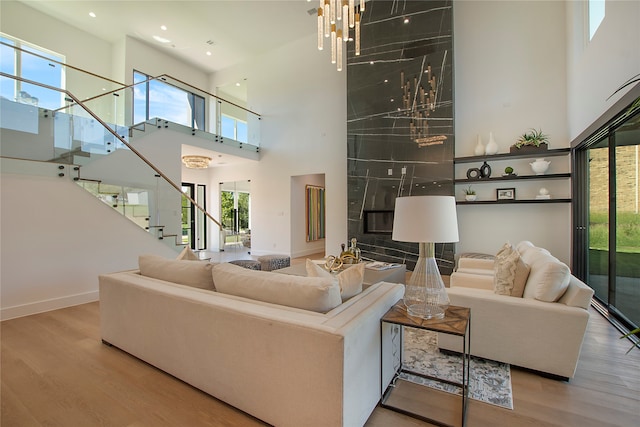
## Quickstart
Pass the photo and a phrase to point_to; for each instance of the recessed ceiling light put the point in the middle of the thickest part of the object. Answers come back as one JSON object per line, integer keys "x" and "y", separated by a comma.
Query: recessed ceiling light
{"x": 161, "y": 39}
{"x": 163, "y": 27}
{"x": 386, "y": 80}
{"x": 406, "y": 20}
{"x": 238, "y": 84}
{"x": 91, "y": 14}
{"x": 208, "y": 53}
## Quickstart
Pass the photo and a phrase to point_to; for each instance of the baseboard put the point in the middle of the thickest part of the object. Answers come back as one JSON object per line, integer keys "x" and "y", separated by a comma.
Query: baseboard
{"x": 47, "y": 305}
{"x": 307, "y": 252}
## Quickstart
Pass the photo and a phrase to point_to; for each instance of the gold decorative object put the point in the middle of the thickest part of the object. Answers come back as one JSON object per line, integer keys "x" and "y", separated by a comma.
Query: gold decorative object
{"x": 333, "y": 263}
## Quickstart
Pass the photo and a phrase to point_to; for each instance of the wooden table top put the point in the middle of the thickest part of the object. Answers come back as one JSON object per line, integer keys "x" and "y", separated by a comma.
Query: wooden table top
{"x": 455, "y": 321}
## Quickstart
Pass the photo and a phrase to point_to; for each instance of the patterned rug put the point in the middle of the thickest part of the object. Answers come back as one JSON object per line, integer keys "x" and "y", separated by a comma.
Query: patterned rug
{"x": 490, "y": 381}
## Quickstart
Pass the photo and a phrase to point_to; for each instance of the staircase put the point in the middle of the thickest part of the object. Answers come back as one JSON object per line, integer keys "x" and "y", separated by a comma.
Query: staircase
{"x": 101, "y": 157}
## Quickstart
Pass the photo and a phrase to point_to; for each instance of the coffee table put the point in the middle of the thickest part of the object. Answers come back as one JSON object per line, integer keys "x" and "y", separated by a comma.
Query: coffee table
{"x": 392, "y": 275}
{"x": 418, "y": 401}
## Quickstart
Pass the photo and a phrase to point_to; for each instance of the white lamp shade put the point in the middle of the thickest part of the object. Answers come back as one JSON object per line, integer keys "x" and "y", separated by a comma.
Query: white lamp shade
{"x": 430, "y": 219}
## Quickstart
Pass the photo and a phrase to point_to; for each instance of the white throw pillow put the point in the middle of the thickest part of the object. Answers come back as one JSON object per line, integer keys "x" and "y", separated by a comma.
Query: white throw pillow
{"x": 190, "y": 273}
{"x": 318, "y": 294}
{"x": 350, "y": 279}
{"x": 548, "y": 279}
{"x": 188, "y": 255}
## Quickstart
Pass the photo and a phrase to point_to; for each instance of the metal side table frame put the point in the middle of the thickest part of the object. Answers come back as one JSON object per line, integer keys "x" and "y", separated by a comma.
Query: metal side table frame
{"x": 457, "y": 321}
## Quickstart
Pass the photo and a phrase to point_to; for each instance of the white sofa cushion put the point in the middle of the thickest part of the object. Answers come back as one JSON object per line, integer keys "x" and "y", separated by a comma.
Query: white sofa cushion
{"x": 511, "y": 273}
{"x": 349, "y": 280}
{"x": 548, "y": 279}
{"x": 183, "y": 272}
{"x": 318, "y": 294}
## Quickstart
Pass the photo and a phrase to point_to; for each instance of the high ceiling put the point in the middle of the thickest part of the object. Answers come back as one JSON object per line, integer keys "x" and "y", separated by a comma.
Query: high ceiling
{"x": 232, "y": 31}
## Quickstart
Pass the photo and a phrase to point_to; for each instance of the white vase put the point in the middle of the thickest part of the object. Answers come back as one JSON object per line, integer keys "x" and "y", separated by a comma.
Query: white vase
{"x": 470, "y": 197}
{"x": 540, "y": 166}
{"x": 492, "y": 146}
{"x": 479, "y": 150}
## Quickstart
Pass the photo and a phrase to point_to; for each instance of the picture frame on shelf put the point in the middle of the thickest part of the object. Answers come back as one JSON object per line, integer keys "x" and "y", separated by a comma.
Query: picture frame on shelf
{"x": 506, "y": 193}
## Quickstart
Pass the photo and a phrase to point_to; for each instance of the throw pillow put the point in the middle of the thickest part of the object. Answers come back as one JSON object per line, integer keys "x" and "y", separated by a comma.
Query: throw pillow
{"x": 510, "y": 274}
{"x": 189, "y": 273}
{"x": 548, "y": 279}
{"x": 188, "y": 254}
{"x": 504, "y": 251}
{"x": 317, "y": 294}
{"x": 350, "y": 279}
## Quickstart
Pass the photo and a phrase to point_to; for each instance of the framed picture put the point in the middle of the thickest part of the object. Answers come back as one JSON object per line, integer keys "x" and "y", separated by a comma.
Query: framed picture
{"x": 315, "y": 199}
{"x": 506, "y": 193}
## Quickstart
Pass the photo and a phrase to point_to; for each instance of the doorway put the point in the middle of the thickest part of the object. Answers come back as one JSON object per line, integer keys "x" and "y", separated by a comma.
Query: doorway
{"x": 194, "y": 224}
{"x": 235, "y": 215}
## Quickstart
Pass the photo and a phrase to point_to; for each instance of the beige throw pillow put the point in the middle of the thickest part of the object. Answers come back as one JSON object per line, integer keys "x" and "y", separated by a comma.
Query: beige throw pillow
{"x": 188, "y": 255}
{"x": 350, "y": 279}
{"x": 510, "y": 274}
{"x": 308, "y": 293}
{"x": 548, "y": 279}
{"x": 196, "y": 274}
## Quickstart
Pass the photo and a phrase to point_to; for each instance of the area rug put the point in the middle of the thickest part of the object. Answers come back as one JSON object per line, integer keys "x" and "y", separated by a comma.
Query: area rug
{"x": 490, "y": 381}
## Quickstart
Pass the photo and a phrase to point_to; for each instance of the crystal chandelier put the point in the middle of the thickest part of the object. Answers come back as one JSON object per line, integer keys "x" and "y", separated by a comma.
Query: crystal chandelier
{"x": 335, "y": 19}
{"x": 196, "y": 162}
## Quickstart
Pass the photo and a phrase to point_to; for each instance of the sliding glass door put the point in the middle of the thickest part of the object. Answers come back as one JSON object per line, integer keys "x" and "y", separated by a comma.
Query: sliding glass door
{"x": 608, "y": 170}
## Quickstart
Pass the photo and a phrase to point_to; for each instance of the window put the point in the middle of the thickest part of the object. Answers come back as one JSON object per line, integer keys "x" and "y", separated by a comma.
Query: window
{"x": 596, "y": 15}
{"x": 156, "y": 98}
{"x": 33, "y": 63}
{"x": 230, "y": 127}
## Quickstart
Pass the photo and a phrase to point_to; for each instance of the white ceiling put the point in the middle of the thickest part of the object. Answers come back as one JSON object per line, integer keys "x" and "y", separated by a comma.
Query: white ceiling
{"x": 238, "y": 29}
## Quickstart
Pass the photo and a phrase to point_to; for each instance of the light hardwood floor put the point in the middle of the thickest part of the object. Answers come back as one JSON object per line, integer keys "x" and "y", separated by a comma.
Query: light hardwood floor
{"x": 56, "y": 372}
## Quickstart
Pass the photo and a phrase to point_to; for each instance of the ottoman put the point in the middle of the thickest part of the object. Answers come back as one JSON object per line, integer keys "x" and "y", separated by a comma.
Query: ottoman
{"x": 274, "y": 262}
{"x": 247, "y": 263}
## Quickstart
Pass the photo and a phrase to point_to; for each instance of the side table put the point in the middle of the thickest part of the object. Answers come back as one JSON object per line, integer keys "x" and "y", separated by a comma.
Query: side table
{"x": 431, "y": 405}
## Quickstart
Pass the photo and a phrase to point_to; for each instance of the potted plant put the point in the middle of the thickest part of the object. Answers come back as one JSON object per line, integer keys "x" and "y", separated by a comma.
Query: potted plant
{"x": 469, "y": 194}
{"x": 531, "y": 141}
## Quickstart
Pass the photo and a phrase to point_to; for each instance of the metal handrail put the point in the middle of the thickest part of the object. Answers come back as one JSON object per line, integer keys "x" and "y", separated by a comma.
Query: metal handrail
{"x": 125, "y": 86}
{"x": 121, "y": 139}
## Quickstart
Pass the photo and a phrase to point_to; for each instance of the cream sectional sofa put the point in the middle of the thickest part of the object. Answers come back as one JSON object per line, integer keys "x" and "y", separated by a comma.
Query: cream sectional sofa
{"x": 284, "y": 365}
{"x": 542, "y": 330}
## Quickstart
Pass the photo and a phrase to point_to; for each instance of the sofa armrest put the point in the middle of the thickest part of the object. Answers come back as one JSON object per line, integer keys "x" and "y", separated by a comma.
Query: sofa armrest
{"x": 476, "y": 263}
{"x": 524, "y": 332}
{"x": 471, "y": 280}
{"x": 578, "y": 294}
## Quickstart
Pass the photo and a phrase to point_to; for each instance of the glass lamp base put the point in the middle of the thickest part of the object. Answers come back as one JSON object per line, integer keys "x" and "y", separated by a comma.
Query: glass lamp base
{"x": 426, "y": 311}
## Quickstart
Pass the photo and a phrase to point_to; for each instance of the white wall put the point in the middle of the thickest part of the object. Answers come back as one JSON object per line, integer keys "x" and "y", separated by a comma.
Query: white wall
{"x": 56, "y": 239}
{"x": 596, "y": 68}
{"x": 303, "y": 132}
{"x": 509, "y": 77}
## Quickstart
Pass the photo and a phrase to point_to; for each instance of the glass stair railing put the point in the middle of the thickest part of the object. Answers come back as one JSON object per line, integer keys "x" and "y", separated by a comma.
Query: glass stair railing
{"x": 82, "y": 132}
{"x": 72, "y": 142}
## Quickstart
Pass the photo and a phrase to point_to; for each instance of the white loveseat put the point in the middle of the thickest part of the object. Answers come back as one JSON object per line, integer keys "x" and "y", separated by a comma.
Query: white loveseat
{"x": 286, "y": 366}
{"x": 543, "y": 330}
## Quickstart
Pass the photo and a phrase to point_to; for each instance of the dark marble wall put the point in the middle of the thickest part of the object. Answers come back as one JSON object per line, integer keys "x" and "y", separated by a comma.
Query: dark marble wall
{"x": 385, "y": 159}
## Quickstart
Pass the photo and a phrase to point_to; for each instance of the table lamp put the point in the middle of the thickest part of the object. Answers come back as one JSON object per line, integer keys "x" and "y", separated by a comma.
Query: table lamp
{"x": 426, "y": 220}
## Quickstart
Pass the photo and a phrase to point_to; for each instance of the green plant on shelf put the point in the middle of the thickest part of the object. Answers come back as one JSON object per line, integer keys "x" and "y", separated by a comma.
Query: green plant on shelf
{"x": 469, "y": 191}
{"x": 533, "y": 138}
